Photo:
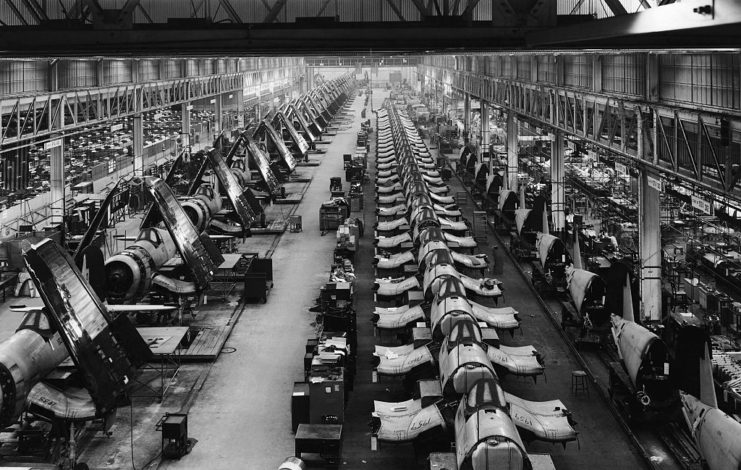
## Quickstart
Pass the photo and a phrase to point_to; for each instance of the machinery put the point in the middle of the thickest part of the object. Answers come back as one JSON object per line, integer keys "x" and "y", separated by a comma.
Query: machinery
{"x": 175, "y": 441}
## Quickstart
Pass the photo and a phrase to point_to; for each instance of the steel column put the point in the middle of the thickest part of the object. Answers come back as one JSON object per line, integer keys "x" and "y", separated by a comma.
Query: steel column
{"x": 219, "y": 118}
{"x": 138, "y": 143}
{"x": 466, "y": 116}
{"x": 512, "y": 151}
{"x": 649, "y": 235}
{"x": 56, "y": 182}
{"x": 484, "y": 132}
{"x": 185, "y": 128}
{"x": 558, "y": 196}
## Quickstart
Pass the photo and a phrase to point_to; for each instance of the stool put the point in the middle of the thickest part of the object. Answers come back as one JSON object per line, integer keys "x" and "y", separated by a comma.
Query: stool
{"x": 579, "y": 382}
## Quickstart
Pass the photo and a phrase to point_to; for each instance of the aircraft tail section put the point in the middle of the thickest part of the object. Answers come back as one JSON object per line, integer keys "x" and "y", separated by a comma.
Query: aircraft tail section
{"x": 692, "y": 370}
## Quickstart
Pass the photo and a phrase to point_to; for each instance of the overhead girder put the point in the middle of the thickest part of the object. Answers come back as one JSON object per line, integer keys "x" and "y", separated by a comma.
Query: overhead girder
{"x": 26, "y": 117}
{"x": 444, "y": 25}
{"x": 673, "y": 25}
{"x": 272, "y": 39}
{"x": 623, "y": 126}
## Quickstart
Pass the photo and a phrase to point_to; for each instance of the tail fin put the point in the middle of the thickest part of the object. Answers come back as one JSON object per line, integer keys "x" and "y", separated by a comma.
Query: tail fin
{"x": 577, "y": 250}
{"x": 522, "y": 197}
{"x": 627, "y": 300}
{"x": 545, "y": 222}
{"x": 692, "y": 369}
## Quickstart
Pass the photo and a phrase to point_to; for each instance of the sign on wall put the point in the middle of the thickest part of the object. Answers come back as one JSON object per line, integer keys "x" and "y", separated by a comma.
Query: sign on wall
{"x": 654, "y": 182}
{"x": 702, "y": 205}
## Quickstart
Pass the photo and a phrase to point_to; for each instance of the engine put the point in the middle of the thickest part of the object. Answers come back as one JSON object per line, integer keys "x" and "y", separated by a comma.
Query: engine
{"x": 202, "y": 206}
{"x": 129, "y": 273}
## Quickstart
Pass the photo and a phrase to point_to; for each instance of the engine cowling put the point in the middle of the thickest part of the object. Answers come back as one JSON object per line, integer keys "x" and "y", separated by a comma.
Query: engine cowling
{"x": 129, "y": 274}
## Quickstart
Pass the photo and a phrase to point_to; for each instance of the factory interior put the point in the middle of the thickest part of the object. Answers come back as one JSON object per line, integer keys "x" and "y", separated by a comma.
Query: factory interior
{"x": 370, "y": 234}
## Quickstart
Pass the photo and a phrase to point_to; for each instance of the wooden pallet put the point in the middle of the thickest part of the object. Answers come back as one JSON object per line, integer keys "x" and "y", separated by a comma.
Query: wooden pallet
{"x": 291, "y": 198}
{"x": 207, "y": 344}
{"x": 300, "y": 179}
{"x": 275, "y": 227}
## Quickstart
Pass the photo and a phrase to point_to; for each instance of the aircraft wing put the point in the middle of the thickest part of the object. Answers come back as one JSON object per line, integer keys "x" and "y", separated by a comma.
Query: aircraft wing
{"x": 278, "y": 142}
{"x": 263, "y": 164}
{"x": 151, "y": 218}
{"x": 233, "y": 190}
{"x": 187, "y": 240}
{"x": 297, "y": 138}
{"x": 70, "y": 404}
{"x": 83, "y": 322}
{"x": 118, "y": 308}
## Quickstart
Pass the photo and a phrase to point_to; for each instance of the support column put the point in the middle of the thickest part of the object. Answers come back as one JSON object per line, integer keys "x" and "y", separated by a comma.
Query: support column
{"x": 466, "y": 116}
{"x": 512, "y": 151}
{"x": 56, "y": 155}
{"x": 240, "y": 110}
{"x": 309, "y": 79}
{"x": 649, "y": 236}
{"x": 185, "y": 129}
{"x": 56, "y": 181}
{"x": 218, "y": 121}
{"x": 558, "y": 196}
{"x": 485, "y": 132}
{"x": 138, "y": 143}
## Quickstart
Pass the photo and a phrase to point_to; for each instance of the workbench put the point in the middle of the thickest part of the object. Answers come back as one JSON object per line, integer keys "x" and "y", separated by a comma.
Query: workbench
{"x": 164, "y": 342}
{"x": 322, "y": 440}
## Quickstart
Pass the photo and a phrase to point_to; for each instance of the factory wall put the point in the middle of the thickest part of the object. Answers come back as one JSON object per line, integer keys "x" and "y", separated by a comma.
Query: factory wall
{"x": 708, "y": 79}
{"x": 24, "y": 76}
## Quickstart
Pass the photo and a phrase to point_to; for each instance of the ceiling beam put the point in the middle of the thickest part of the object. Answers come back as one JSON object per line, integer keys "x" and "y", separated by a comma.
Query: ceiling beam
{"x": 421, "y": 7}
{"x": 127, "y": 10}
{"x": 229, "y": 39}
{"x": 95, "y": 8}
{"x": 470, "y": 6}
{"x": 576, "y": 7}
{"x": 16, "y": 12}
{"x": 274, "y": 11}
{"x": 36, "y": 10}
{"x": 396, "y": 9}
{"x": 230, "y": 11}
{"x": 76, "y": 11}
{"x": 617, "y": 7}
{"x": 324, "y": 6}
{"x": 145, "y": 13}
{"x": 681, "y": 17}
{"x": 437, "y": 7}
{"x": 455, "y": 7}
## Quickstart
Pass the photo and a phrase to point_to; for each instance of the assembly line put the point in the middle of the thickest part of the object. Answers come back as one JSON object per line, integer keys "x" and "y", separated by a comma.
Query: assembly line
{"x": 438, "y": 313}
